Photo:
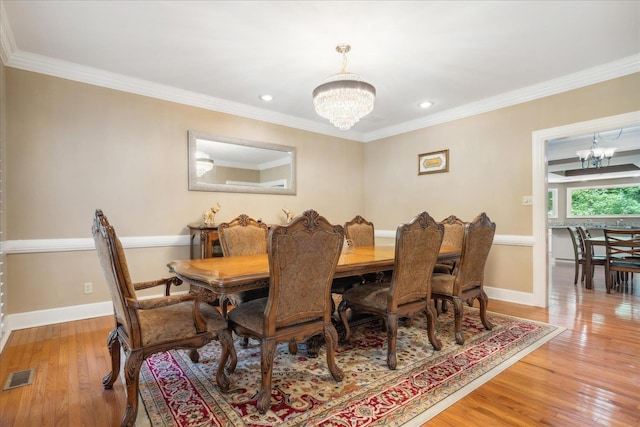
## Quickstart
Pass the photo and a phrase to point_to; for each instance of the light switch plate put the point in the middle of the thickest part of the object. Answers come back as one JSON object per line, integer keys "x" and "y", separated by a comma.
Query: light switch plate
{"x": 527, "y": 200}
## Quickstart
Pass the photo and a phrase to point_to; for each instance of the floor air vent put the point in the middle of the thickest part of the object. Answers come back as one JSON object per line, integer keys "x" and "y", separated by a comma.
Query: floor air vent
{"x": 17, "y": 379}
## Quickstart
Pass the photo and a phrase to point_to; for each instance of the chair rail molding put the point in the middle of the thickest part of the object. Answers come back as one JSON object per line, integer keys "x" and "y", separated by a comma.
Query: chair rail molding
{"x": 86, "y": 244}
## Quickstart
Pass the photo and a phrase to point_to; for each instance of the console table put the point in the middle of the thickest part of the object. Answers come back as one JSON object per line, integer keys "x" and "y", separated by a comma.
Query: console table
{"x": 208, "y": 245}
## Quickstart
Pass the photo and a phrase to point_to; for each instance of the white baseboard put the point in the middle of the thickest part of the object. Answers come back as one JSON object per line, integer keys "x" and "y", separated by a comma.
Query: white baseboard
{"x": 32, "y": 319}
{"x": 507, "y": 295}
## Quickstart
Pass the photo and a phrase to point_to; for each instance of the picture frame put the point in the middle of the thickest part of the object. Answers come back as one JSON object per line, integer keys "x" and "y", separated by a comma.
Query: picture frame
{"x": 434, "y": 162}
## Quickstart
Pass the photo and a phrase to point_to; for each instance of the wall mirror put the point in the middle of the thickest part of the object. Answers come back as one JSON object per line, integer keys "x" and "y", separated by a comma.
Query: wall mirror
{"x": 219, "y": 163}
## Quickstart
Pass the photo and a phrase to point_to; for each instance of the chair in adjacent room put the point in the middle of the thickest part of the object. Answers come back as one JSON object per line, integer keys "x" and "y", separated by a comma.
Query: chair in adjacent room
{"x": 622, "y": 257}
{"x": 583, "y": 234}
{"x": 467, "y": 281}
{"x": 147, "y": 326}
{"x": 242, "y": 236}
{"x": 302, "y": 260}
{"x": 416, "y": 252}
{"x": 578, "y": 253}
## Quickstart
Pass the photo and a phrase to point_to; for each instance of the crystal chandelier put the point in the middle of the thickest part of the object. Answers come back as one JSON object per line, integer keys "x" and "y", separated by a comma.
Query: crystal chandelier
{"x": 204, "y": 163}
{"x": 596, "y": 156}
{"x": 344, "y": 98}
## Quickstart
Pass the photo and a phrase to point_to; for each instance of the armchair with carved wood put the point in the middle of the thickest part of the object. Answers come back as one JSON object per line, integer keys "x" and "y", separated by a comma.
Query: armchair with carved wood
{"x": 147, "y": 326}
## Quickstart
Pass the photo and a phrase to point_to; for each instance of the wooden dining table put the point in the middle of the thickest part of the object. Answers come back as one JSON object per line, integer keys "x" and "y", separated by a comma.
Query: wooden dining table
{"x": 229, "y": 275}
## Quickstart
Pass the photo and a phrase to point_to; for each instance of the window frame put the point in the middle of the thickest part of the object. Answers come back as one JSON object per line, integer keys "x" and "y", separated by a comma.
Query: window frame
{"x": 553, "y": 212}
{"x": 570, "y": 191}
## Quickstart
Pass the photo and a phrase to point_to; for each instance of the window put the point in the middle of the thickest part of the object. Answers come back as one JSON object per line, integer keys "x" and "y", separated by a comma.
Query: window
{"x": 552, "y": 203}
{"x": 603, "y": 201}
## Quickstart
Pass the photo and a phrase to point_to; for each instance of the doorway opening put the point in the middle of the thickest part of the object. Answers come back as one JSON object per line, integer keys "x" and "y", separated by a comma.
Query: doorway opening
{"x": 541, "y": 270}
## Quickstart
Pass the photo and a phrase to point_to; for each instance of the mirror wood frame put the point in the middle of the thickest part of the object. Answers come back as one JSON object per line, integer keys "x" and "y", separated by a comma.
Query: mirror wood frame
{"x": 197, "y": 185}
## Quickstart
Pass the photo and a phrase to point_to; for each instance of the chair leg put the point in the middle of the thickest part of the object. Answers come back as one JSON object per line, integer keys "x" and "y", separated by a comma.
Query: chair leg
{"x": 457, "y": 315}
{"x": 431, "y": 327}
{"x": 267, "y": 352}
{"x": 575, "y": 276}
{"x": 392, "y": 335}
{"x": 228, "y": 352}
{"x": 331, "y": 338}
{"x": 293, "y": 347}
{"x": 342, "y": 311}
{"x": 114, "y": 350}
{"x": 132, "y": 375}
{"x": 484, "y": 302}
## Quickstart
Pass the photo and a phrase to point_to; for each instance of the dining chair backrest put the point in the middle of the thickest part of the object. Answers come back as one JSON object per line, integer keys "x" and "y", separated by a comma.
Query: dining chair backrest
{"x": 623, "y": 245}
{"x": 303, "y": 256}
{"x": 417, "y": 246}
{"x": 577, "y": 242}
{"x": 360, "y": 231}
{"x": 476, "y": 245}
{"x": 453, "y": 232}
{"x": 243, "y": 236}
{"x": 114, "y": 265}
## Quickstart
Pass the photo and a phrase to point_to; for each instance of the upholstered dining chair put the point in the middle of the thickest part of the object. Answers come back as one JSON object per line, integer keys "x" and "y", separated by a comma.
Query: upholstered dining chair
{"x": 622, "y": 255}
{"x": 144, "y": 327}
{"x": 242, "y": 236}
{"x": 360, "y": 231}
{"x": 416, "y": 251}
{"x": 467, "y": 280}
{"x": 453, "y": 234}
{"x": 302, "y": 260}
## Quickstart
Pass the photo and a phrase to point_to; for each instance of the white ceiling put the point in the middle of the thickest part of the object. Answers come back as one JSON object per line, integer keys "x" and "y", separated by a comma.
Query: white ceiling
{"x": 464, "y": 56}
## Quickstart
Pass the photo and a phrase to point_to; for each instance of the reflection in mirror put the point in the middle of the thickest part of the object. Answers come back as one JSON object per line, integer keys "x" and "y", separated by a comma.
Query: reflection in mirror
{"x": 218, "y": 163}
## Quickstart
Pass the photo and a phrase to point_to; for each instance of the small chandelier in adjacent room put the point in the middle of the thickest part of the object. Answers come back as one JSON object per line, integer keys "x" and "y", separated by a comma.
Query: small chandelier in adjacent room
{"x": 204, "y": 163}
{"x": 344, "y": 98}
{"x": 596, "y": 156}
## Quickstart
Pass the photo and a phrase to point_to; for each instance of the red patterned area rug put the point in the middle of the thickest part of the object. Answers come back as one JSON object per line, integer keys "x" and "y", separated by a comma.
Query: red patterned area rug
{"x": 177, "y": 392}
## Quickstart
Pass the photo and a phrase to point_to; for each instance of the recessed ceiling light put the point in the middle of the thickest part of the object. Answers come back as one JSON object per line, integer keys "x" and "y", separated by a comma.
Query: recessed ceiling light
{"x": 425, "y": 104}
{"x": 266, "y": 97}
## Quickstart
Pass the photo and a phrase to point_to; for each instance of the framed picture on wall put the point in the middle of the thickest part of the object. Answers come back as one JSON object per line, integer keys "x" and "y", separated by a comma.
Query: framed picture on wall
{"x": 434, "y": 162}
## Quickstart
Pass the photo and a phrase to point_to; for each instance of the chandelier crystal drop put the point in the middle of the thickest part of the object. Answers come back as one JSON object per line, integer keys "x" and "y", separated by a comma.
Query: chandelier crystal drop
{"x": 344, "y": 98}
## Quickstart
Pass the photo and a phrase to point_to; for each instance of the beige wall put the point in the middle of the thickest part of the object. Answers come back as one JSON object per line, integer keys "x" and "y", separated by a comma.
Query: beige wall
{"x": 490, "y": 168}
{"x": 74, "y": 147}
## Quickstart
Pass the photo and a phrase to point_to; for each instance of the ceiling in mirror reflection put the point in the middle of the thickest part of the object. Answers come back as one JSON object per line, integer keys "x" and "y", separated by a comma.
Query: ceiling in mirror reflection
{"x": 242, "y": 156}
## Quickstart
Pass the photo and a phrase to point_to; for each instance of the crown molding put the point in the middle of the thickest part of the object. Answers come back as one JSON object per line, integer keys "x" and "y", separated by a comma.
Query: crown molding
{"x": 11, "y": 56}
{"x": 601, "y": 73}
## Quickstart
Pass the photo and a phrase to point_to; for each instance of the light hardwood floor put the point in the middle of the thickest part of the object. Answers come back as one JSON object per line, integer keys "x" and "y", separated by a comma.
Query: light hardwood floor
{"x": 588, "y": 375}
